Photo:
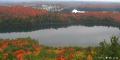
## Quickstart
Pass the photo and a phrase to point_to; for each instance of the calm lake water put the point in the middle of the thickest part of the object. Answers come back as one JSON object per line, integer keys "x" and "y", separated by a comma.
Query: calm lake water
{"x": 71, "y": 36}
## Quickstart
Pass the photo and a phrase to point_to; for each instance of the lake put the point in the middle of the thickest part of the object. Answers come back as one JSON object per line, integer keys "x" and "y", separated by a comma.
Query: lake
{"x": 81, "y": 36}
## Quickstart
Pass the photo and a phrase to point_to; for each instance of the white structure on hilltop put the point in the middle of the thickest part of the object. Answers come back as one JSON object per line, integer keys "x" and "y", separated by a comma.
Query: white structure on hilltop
{"x": 50, "y": 8}
{"x": 76, "y": 11}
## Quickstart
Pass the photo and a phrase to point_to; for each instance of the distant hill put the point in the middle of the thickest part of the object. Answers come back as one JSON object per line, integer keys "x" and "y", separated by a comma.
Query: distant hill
{"x": 68, "y": 5}
{"x": 20, "y": 11}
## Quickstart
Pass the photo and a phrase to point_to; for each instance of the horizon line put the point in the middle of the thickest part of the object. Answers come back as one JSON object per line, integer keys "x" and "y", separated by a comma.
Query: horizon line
{"x": 56, "y": 1}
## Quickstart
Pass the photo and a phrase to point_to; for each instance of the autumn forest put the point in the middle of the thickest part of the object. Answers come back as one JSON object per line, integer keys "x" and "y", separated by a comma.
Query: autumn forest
{"x": 20, "y": 19}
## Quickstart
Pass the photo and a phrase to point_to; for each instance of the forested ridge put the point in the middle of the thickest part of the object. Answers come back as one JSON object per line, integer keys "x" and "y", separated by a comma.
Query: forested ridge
{"x": 19, "y": 19}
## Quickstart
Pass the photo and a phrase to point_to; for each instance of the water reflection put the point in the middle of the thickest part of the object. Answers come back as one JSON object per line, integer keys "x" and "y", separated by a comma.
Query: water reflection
{"x": 71, "y": 36}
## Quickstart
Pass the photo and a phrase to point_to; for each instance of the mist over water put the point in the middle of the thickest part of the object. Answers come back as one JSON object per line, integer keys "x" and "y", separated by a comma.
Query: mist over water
{"x": 82, "y": 36}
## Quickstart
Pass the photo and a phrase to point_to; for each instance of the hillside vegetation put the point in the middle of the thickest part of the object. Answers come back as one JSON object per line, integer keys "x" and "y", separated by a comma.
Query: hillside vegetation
{"x": 29, "y": 49}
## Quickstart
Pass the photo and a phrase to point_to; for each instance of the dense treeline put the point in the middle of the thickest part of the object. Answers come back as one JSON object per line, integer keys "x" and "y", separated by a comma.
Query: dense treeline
{"x": 108, "y": 51}
{"x": 91, "y": 21}
{"x": 52, "y": 20}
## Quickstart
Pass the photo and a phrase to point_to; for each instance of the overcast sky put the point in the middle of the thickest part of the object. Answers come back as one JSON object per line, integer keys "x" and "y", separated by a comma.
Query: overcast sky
{"x": 57, "y": 0}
